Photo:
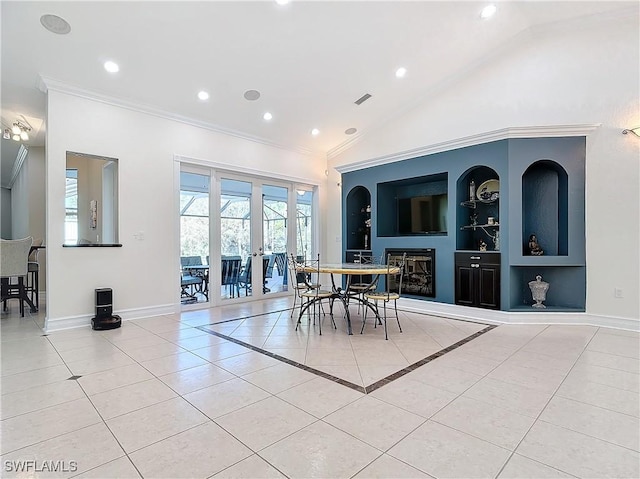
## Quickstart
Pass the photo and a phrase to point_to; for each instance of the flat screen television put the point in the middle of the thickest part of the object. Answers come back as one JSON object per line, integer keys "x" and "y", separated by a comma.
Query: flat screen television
{"x": 422, "y": 215}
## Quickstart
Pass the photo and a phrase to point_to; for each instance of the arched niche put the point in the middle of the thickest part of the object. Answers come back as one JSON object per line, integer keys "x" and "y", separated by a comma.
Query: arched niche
{"x": 470, "y": 208}
{"x": 545, "y": 207}
{"x": 358, "y": 209}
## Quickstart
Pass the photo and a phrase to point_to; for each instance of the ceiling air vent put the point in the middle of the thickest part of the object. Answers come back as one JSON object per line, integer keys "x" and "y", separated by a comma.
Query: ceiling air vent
{"x": 362, "y": 99}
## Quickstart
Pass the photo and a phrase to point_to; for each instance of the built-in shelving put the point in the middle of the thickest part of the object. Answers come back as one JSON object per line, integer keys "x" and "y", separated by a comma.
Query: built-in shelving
{"x": 541, "y": 191}
{"x": 474, "y": 215}
{"x": 358, "y": 209}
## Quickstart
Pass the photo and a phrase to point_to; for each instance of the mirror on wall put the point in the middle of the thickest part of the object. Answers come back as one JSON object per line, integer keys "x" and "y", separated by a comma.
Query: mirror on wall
{"x": 91, "y": 200}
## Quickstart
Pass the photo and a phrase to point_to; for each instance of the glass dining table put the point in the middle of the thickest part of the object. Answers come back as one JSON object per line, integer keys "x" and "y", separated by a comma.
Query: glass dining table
{"x": 350, "y": 270}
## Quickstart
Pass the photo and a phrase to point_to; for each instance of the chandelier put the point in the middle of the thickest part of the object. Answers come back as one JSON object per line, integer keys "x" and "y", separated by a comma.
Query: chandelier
{"x": 19, "y": 131}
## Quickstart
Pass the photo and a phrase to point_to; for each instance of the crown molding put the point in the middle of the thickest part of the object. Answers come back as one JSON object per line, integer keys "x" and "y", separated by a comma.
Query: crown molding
{"x": 46, "y": 84}
{"x": 243, "y": 170}
{"x": 477, "y": 139}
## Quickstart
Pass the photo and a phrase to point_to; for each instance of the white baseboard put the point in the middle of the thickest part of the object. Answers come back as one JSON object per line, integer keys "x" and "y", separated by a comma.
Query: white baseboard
{"x": 84, "y": 320}
{"x": 454, "y": 311}
{"x": 445, "y": 310}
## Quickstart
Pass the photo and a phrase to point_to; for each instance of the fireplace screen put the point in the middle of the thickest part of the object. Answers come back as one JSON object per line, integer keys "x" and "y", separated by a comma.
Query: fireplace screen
{"x": 419, "y": 272}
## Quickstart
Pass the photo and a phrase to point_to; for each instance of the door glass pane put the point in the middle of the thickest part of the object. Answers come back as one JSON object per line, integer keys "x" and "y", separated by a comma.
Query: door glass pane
{"x": 194, "y": 238}
{"x": 274, "y": 238}
{"x": 304, "y": 226}
{"x": 235, "y": 238}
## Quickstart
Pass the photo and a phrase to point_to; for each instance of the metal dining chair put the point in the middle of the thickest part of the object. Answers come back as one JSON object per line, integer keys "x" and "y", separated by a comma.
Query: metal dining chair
{"x": 361, "y": 286}
{"x": 300, "y": 282}
{"x": 313, "y": 295}
{"x": 14, "y": 258}
{"x": 386, "y": 295}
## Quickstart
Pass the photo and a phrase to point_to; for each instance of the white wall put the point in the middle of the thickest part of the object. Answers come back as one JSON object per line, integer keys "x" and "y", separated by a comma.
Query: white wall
{"x": 20, "y": 203}
{"x": 37, "y": 209}
{"x": 143, "y": 274}
{"x": 5, "y": 213}
{"x": 577, "y": 74}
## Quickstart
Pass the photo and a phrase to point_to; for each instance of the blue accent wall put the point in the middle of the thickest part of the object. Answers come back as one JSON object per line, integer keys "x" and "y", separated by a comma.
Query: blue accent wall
{"x": 550, "y": 202}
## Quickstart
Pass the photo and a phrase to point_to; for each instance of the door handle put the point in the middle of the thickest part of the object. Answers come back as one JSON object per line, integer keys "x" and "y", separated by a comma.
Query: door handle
{"x": 475, "y": 265}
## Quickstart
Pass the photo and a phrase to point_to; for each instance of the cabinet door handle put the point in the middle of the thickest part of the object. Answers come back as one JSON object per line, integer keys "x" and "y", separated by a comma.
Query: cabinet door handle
{"x": 475, "y": 265}
{"x": 475, "y": 257}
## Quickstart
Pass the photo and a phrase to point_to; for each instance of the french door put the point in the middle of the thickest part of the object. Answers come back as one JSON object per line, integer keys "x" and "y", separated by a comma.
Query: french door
{"x": 255, "y": 223}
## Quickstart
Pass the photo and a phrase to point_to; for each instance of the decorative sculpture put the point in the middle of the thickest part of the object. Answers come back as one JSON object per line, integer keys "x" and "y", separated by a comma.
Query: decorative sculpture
{"x": 483, "y": 246}
{"x": 539, "y": 290}
{"x": 534, "y": 247}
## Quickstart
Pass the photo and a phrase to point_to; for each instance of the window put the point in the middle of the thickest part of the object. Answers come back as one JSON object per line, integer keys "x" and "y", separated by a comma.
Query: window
{"x": 71, "y": 207}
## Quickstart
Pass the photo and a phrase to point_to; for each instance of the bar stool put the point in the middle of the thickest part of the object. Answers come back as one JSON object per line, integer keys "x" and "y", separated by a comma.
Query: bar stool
{"x": 14, "y": 256}
{"x": 33, "y": 270}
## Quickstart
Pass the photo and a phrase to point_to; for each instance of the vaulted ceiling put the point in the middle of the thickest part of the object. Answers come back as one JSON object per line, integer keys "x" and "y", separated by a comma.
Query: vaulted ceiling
{"x": 309, "y": 60}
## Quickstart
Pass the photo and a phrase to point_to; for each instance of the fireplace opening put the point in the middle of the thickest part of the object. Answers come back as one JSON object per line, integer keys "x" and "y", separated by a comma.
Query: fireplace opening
{"x": 419, "y": 271}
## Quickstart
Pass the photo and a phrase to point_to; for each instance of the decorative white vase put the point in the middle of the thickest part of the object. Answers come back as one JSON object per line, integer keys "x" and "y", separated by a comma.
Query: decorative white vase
{"x": 539, "y": 290}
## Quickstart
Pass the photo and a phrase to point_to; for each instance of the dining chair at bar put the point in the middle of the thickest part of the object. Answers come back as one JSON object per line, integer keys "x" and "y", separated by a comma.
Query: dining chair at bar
{"x": 14, "y": 258}
{"x": 33, "y": 278}
{"x": 386, "y": 295}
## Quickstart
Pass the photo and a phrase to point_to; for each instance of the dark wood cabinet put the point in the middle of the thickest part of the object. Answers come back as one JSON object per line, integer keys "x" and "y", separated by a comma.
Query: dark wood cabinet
{"x": 478, "y": 279}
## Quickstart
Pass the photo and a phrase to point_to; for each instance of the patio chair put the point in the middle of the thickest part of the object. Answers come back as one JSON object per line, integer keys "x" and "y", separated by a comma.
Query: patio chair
{"x": 244, "y": 278}
{"x": 268, "y": 263}
{"x": 230, "y": 272}
{"x": 281, "y": 264}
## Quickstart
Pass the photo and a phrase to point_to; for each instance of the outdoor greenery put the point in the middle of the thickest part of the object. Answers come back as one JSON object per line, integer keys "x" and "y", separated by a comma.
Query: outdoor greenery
{"x": 235, "y": 233}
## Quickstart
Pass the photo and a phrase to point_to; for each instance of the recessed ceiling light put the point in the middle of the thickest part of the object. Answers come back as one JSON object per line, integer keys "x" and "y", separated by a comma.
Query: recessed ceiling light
{"x": 203, "y": 95}
{"x": 350, "y": 131}
{"x": 282, "y": 2}
{"x": 315, "y": 132}
{"x": 267, "y": 116}
{"x": 55, "y": 24}
{"x": 111, "y": 67}
{"x": 488, "y": 11}
{"x": 251, "y": 95}
{"x": 401, "y": 72}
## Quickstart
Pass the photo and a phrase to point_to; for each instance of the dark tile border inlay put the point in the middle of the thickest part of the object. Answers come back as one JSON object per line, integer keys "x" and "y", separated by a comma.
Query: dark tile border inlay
{"x": 365, "y": 390}
{"x": 74, "y": 378}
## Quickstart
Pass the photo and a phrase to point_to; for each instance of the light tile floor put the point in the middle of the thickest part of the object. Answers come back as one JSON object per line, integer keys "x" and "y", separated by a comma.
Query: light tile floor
{"x": 161, "y": 398}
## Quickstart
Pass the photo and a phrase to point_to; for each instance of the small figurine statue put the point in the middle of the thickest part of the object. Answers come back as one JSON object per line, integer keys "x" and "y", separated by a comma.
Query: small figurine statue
{"x": 483, "y": 245}
{"x": 538, "y": 291}
{"x": 534, "y": 247}
{"x": 474, "y": 219}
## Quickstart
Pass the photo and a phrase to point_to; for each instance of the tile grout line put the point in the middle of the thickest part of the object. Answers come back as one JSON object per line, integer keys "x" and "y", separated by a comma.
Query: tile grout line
{"x": 365, "y": 389}
{"x": 537, "y": 418}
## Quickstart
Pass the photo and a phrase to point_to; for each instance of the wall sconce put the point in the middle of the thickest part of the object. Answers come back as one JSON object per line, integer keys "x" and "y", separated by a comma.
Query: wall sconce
{"x": 635, "y": 131}
{"x": 19, "y": 131}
